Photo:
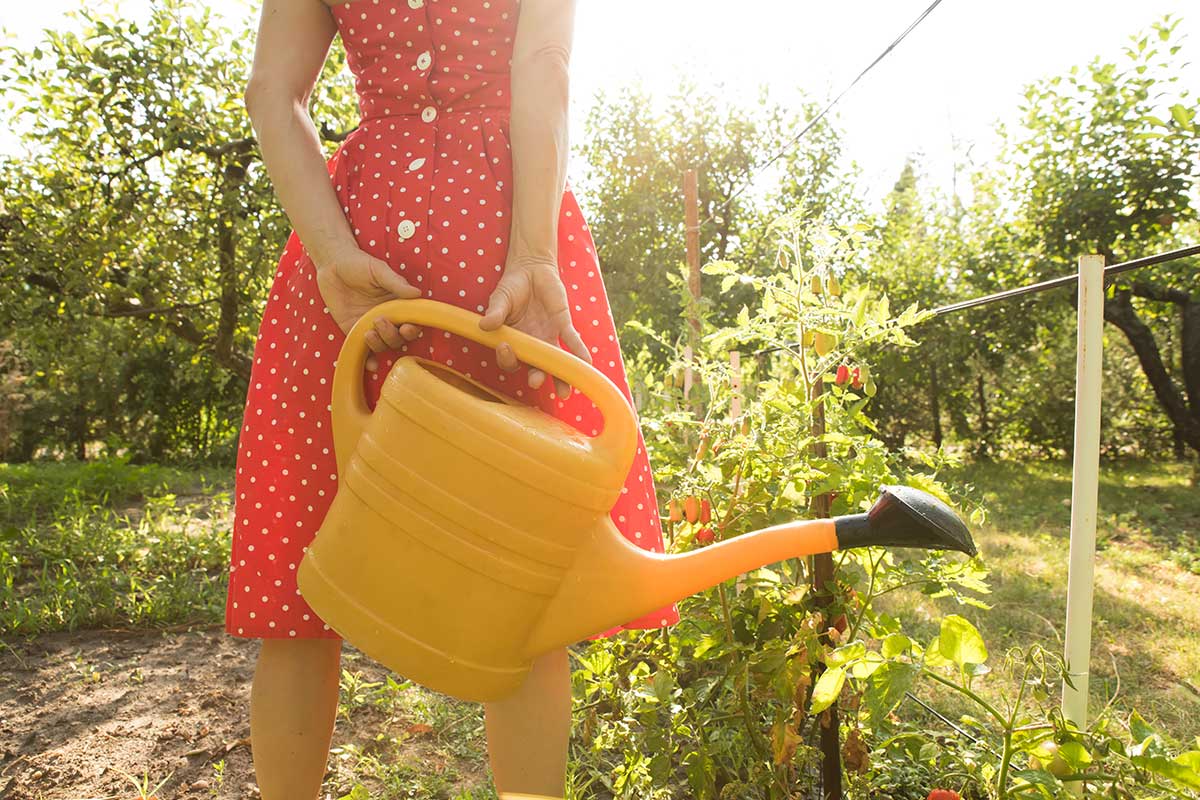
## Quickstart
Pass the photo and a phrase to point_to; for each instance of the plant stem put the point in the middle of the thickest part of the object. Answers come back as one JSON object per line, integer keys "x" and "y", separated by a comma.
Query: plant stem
{"x": 1006, "y": 759}
{"x": 744, "y": 698}
{"x": 870, "y": 597}
{"x": 984, "y": 704}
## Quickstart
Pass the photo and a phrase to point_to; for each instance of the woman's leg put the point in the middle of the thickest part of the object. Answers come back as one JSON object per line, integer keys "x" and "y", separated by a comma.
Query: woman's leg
{"x": 529, "y": 731}
{"x": 293, "y": 705}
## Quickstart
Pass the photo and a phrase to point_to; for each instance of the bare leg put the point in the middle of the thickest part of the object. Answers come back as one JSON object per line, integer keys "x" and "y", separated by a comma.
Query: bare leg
{"x": 528, "y": 732}
{"x": 293, "y": 705}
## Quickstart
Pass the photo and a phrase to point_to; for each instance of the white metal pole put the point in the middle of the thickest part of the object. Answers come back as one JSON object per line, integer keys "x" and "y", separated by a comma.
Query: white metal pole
{"x": 1084, "y": 486}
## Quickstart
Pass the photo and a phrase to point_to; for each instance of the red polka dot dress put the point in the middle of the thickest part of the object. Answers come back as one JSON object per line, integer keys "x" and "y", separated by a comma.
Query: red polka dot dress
{"x": 426, "y": 184}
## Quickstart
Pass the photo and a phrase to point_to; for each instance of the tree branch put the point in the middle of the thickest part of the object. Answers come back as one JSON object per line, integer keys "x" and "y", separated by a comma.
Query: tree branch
{"x": 1120, "y": 312}
{"x": 330, "y": 135}
{"x": 130, "y": 310}
{"x": 1159, "y": 293}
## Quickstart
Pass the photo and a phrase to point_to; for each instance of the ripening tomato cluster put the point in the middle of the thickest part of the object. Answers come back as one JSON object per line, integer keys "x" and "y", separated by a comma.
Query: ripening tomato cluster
{"x": 697, "y": 511}
{"x": 830, "y": 286}
{"x": 856, "y": 376}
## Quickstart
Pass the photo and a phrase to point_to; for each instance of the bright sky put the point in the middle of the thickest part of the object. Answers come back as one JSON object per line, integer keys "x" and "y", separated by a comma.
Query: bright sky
{"x": 962, "y": 70}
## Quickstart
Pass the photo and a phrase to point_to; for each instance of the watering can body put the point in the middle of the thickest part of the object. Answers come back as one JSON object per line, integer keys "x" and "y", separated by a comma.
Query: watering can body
{"x": 471, "y": 533}
{"x": 459, "y": 512}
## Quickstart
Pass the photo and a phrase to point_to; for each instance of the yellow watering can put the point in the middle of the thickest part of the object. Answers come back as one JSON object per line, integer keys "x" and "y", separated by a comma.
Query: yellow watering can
{"x": 471, "y": 533}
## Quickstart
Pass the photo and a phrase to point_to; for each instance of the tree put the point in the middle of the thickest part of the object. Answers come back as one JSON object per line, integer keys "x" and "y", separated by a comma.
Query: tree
{"x": 636, "y": 149}
{"x": 140, "y": 217}
{"x": 1104, "y": 170}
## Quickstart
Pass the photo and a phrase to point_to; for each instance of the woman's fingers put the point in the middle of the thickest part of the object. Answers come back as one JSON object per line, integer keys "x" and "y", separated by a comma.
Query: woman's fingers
{"x": 574, "y": 342}
{"x": 500, "y": 306}
{"x": 507, "y": 358}
{"x": 377, "y": 345}
{"x": 383, "y": 276}
{"x": 389, "y": 333}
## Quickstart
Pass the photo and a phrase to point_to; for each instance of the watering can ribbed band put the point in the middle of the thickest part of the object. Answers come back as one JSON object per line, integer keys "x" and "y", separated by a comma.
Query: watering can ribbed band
{"x": 432, "y": 655}
{"x": 479, "y": 443}
{"x": 533, "y": 548}
{"x": 421, "y": 523}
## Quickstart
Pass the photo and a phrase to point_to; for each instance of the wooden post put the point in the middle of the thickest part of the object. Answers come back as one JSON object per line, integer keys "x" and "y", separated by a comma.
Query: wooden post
{"x": 688, "y": 355}
{"x": 691, "y": 217}
{"x": 823, "y": 585}
{"x": 735, "y": 372}
{"x": 691, "y": 213}
{"x": 1084, "y": 486}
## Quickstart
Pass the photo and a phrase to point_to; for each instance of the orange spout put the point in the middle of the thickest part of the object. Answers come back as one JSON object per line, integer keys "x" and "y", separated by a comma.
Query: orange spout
{"x": 614, "y": 580}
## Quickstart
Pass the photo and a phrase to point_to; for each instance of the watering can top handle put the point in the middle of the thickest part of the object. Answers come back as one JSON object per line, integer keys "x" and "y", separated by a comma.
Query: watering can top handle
{"x": 618, "y": 437}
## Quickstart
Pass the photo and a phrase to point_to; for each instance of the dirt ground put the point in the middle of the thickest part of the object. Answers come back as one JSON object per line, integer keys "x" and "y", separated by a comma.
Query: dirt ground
{"x": 78, "y": 710}
{"x": 82, "y": 713}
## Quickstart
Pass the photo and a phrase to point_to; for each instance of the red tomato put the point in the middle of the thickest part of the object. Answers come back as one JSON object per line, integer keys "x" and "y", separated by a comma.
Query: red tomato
{"x": 943, "y": 794}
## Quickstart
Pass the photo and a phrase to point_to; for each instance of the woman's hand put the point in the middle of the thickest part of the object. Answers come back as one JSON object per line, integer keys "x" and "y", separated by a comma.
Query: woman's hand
{"x": 531, "y": 298}
{"x": 352, "y": 282}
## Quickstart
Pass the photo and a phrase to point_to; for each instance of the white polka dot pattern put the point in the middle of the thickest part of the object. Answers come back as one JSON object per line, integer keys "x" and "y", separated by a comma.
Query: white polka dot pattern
{"x": 425, "y": 181}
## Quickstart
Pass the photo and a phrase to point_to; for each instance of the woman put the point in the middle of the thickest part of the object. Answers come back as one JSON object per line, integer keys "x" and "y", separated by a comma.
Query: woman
{"x": 452, "y": 187}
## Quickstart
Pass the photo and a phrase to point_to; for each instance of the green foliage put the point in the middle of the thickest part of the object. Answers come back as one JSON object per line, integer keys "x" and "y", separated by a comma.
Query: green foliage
{"x": 1106, "y": 160}
{"x": 1100, "y": 170}
{"x": 636, "y": 148}
{"x": 1020, "y": 747}
{"x": 138, "y": 232}
{"x": 71, "y": 558}
{"x": 725, "y": 703}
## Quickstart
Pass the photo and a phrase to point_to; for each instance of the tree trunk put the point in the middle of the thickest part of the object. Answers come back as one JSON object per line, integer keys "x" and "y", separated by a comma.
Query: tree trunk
{"x": 1120, "y": 312}
{"x": 1190, "y": 350}
{"x": 79, "y": 432}
{"x": 984, "y": 449}
{"x": 935, "y": 405}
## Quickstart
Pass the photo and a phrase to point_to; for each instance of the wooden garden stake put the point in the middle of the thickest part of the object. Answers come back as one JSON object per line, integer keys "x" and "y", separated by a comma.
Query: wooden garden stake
{"x": 823, "y": 585}
{"x": 735, "y": 370}
{"x": 691, "y": 213}
{"x": 687, "y": 374}
{"x": 1084, "y": 487}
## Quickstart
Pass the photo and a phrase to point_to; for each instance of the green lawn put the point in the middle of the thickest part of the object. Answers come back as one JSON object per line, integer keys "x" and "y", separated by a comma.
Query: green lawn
{"x": 1146, "y": 633}
{"x": 113, "y": 546}
{"x": 110, "y": 545}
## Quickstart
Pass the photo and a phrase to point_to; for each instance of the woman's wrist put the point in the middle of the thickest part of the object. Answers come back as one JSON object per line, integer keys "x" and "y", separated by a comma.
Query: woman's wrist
{"x": 328, "y": 251}
{"x": 529, "y": 261}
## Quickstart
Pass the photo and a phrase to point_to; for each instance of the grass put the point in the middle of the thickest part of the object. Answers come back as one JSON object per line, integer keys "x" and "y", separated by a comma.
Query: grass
{"x": 110, "y": 545}
{"x": 1146, "y": 633}
{"x": 421, "y": 745}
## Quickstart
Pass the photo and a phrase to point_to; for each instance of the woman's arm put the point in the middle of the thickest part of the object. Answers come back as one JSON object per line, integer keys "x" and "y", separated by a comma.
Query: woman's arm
{"x": 293, "y": 41}
{"x": 538, "y": 125}
{"x": 530, "y": 294}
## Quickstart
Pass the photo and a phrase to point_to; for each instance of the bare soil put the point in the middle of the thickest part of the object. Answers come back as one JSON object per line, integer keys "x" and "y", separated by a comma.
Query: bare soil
{"x": 83, "y": 713}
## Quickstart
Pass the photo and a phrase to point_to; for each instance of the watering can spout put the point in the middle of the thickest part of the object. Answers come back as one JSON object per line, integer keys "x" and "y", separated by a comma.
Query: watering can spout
{"x": 615, "y": 581}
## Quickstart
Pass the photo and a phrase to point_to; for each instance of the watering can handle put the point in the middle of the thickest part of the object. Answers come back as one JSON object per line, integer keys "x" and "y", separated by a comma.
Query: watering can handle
{"x": 618, "y": 437}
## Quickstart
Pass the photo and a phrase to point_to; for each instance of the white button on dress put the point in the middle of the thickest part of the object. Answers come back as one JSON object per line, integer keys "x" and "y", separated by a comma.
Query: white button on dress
{"x": 429, "y": 113}
{"x": 416, "y": 164}
{"x": 406, "y": 229}
{"x": 424, "y": 60}
{"x": 415, "y": 3}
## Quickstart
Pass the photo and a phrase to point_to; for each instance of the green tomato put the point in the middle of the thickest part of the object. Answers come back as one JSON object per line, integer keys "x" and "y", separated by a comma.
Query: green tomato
{"x": 1047, "y": 759}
